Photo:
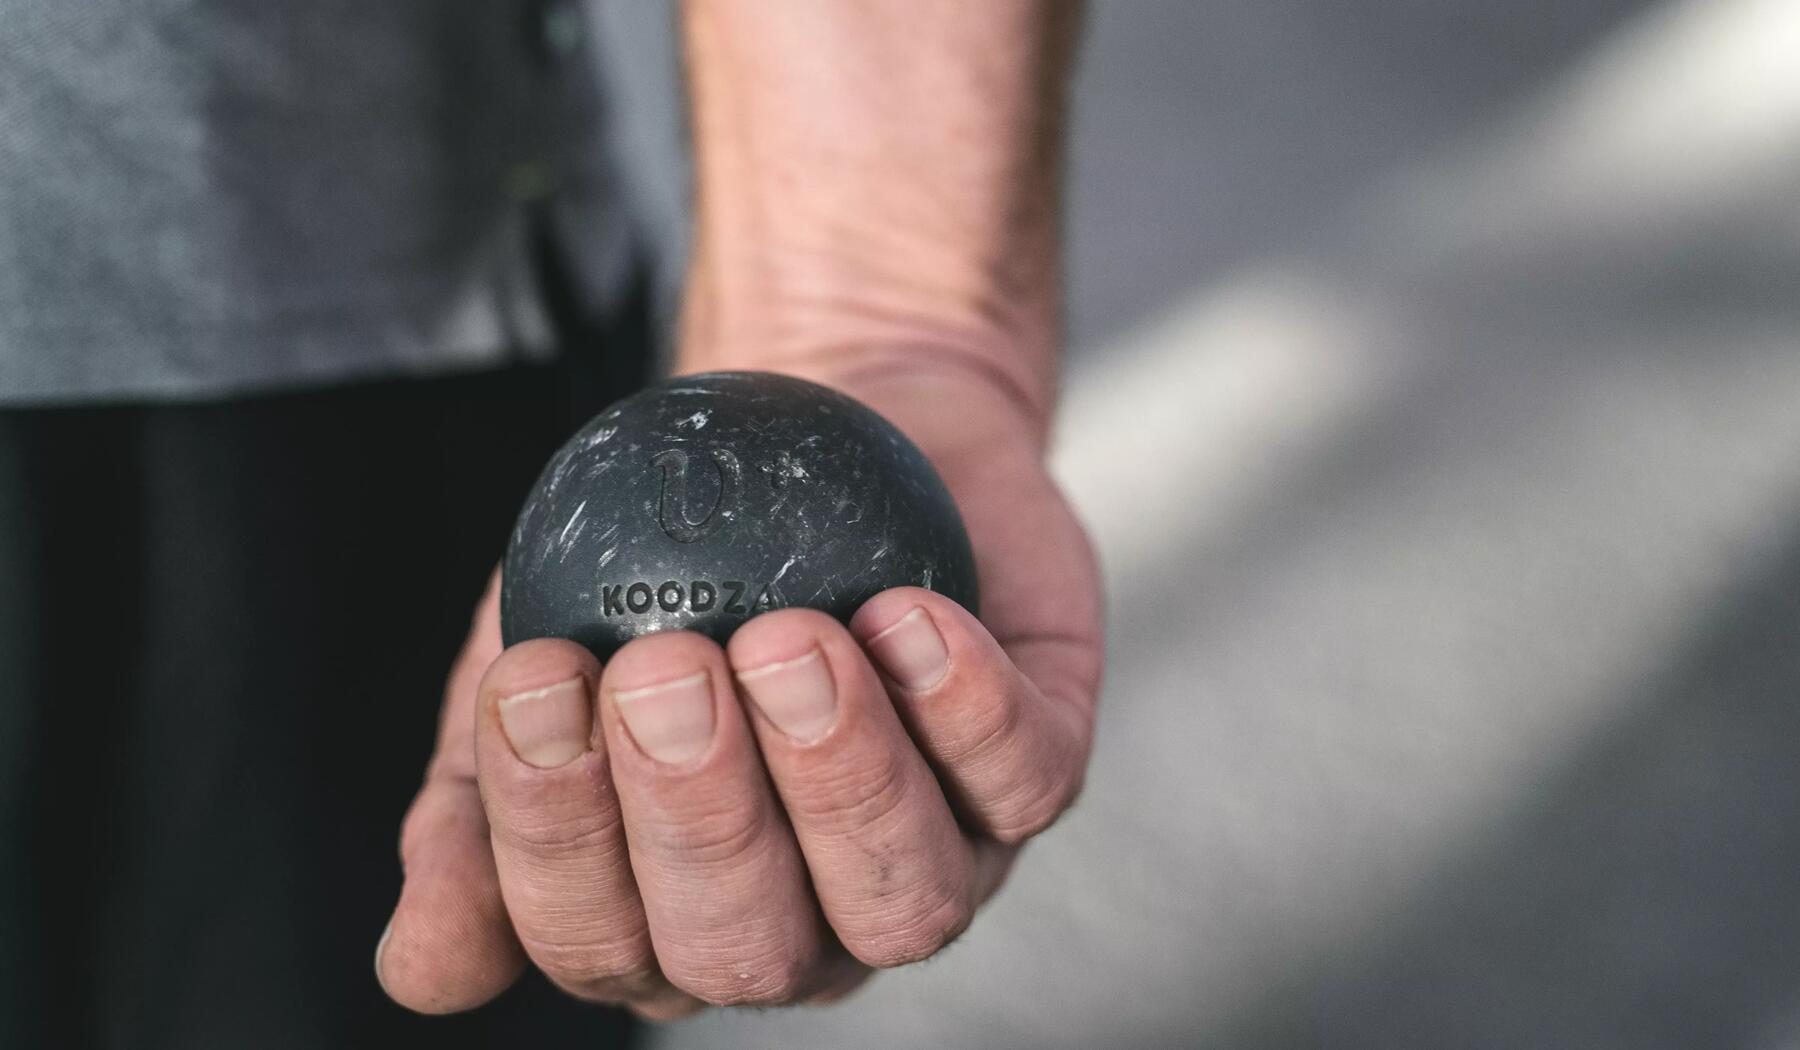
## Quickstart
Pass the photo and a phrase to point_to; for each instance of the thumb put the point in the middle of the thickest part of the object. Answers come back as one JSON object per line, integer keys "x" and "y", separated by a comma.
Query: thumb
{"x": 450, "y": 944}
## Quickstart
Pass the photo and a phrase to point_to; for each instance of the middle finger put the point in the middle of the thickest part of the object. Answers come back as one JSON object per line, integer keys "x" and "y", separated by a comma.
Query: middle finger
{"x": 731, "y": 914}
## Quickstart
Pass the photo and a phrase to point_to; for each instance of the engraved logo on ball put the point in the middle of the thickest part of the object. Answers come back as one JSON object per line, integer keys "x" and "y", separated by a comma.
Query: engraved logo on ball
{"x": 672, "y": 509}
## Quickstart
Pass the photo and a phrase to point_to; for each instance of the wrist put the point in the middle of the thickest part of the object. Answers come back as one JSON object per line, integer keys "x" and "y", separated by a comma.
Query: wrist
{"x": 961, "y": 413}
{"x": 875, "y": 314}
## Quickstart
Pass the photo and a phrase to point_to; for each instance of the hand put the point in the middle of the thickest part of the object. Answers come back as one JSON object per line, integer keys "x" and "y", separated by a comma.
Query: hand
{"x": 763, "y": 822}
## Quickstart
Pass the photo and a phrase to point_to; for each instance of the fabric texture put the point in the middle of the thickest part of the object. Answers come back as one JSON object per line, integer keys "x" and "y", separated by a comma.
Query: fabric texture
{"x": 207, "y": 197}
{"x": 224, "y": 631}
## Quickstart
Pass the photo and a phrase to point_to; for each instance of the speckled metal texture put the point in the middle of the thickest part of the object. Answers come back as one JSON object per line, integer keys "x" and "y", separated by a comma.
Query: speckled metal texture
{"x": 707, "y": 499}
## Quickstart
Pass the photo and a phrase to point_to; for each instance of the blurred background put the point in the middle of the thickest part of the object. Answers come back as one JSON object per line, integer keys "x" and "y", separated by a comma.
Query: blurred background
{"x": 1434, "y": 398}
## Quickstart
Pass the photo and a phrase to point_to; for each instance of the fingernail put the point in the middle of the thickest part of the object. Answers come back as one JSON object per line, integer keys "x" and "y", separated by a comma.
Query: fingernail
{"x": 380, "y": 946}
{"x": 673, "y": 721}
{"x": 912, "y": 651}
{"x": 549, "y": 727}
{"x": 797, "y": 695}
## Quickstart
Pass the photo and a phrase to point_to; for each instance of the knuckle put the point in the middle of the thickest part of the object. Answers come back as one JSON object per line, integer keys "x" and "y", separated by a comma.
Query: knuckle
{"x": 1030, "y": 813}
{"x": 848, "y": 796}
{"x": 984, "y": 728}
{"x": 721, "y": 838}
{"x": 563, "y": 829}
{"x": 1035, "y": 785}
{"x": 911, "y": 925}
{"x": 913, "y": 941}
{"x": 769, "y": 981}
{"x": 594, "y": 968}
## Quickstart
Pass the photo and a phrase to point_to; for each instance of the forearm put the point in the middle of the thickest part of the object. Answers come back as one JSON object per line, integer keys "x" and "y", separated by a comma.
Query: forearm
{"x": 878, "y": 189}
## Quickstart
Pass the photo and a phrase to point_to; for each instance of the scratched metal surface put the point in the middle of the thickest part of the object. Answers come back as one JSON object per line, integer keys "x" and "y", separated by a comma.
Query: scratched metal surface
{"x": 705, "y": 500}
{"x": 1454, "y": 673}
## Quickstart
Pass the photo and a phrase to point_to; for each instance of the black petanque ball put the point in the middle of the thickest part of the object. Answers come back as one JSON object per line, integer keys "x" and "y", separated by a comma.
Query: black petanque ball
{"x": 702, "y": 501}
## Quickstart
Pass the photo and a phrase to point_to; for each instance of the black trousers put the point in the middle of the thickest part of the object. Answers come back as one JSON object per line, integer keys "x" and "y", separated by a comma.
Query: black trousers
{"x": 223, "y": 633}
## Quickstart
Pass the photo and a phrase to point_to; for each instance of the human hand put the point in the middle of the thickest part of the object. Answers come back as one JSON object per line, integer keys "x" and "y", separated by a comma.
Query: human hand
{"x": 763, "y": 822}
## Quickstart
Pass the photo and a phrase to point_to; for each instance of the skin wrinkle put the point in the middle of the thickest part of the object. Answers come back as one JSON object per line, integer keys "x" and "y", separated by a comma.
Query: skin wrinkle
{"x": 758, "y": 982}
{"x": 842, "y": 797}
{"x": 990, "y": 185}
{"x": 708, "y": 843}
{"x": 602, "y": 942}
{"x": 571, "y": 810}
{"x": 868, "y": 366}
{"x": 717, "y": 966}
{"x": 540, "y": 885}
{"x": 859, "y": 325}
{"x": 910, "y": 926}
{"x": 589, "y": 962}
{"x": 412, "y": 965}
{"x": 1001, "y": 751}
{"x": 977, "y": 736}
{"x": 906, "y": 254}
{"x": 564, "y": 825}
{"x": 759, "y": 959}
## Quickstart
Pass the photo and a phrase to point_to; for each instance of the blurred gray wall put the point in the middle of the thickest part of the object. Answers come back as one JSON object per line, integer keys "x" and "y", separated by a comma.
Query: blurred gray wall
{"x": 1435, "y": 402}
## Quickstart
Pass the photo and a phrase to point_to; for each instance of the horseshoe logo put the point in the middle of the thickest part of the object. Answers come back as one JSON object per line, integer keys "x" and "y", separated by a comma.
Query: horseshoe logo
{"x": 671, "y": 510}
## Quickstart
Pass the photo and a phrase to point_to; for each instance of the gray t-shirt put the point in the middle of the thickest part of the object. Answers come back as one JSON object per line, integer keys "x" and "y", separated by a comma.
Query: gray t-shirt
{"x": 200, "y": 197}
